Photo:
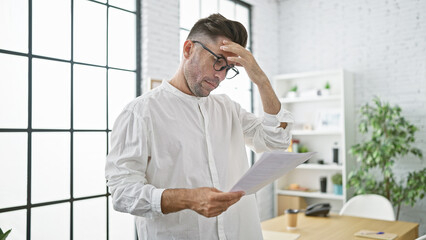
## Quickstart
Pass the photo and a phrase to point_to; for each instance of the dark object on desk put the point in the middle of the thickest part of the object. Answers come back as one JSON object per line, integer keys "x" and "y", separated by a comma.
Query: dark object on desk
{"x": 323, "y": 184}
{"x": 319, "y": 209}
{"x": 320, "y": 161}
{"x": 335, "y": 153}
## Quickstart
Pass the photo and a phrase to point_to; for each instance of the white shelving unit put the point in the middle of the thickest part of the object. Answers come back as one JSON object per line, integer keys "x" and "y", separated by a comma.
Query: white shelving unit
{"x": 316, "y": 128}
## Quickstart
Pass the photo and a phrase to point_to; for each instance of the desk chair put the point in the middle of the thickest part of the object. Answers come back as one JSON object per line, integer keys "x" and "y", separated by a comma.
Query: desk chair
{"x": 369, "y": 206}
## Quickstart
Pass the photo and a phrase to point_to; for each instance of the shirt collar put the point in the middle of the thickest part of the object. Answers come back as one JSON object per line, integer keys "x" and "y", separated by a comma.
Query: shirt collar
{"x": 166, "y": 85}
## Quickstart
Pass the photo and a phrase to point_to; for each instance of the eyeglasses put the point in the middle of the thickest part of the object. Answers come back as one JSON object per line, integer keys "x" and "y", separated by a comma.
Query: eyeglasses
{"x": 221, "y": 63}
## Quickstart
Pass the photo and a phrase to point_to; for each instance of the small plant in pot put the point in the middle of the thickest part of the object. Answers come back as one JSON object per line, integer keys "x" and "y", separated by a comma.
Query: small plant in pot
{"x": 293, "y": 92}
{"x": 337, "y": 183}
{"x": 326, "y": 90}
{"x": 303, "y": 149}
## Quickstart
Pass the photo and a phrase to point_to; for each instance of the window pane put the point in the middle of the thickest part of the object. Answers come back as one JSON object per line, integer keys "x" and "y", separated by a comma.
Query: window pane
{"x": 208, "y": 7}
{"x": 126, "y": 4}
{"x": 183, "y": 35}
{"x": 16, "y": 221}
{"x": 121, "y": 90}
{"x": 242, "y": 15}
{"x": 89, "y": 164}
{"x": 241, "y": 97}
{"x": 45, "y": 224}
{"x": 13, "y": 157}
{"x": 238, "y": 89}
{"x": 227, "y": 9}
{"x": 109, "y": 140}
{"x": 50, "y": 166}
{"x": 51, "y": 94}
{"x": 240, "y": 82}
{"x": 89, "y": 97}
{"x": 122, "y": 39}
{"x": 52, "y": 28}
{"x": 14, "y": 25}
{"x": 189, "y": 13}
{"x": 90, "y": 219}
{"x": 89, "y": 32}
{"x": 13, "y": 91}
{"x": 121, "y": 225}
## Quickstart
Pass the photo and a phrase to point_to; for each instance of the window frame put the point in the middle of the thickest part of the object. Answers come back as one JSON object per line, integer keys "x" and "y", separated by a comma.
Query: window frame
{"x": 29, "y": 130}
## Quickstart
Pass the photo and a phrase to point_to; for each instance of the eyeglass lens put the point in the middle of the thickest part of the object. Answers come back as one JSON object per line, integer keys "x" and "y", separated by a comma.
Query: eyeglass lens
{"x": 231, "y": 73}
{"x": 221, "y": 64}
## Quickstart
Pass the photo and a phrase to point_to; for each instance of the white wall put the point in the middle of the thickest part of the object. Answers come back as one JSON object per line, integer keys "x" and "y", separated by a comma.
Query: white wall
{"x": 382, "y": 42}
{"x": 160, "y": 39}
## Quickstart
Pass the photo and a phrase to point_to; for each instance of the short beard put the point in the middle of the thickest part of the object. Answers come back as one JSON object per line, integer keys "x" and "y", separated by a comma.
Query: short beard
{"x": 195, "y": 88}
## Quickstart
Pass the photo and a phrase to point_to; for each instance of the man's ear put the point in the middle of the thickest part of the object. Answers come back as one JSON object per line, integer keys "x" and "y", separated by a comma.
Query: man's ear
{"x": 188, "y": 48}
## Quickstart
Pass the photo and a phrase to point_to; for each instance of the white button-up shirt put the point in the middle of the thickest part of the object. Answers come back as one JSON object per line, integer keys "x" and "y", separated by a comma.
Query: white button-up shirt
{"x": 168, "y": 139}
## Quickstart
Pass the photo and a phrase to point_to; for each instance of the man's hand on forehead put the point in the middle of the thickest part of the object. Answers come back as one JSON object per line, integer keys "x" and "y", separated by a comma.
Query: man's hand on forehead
{"x": 243, "y": 57}
{"x": 235, "y": 51}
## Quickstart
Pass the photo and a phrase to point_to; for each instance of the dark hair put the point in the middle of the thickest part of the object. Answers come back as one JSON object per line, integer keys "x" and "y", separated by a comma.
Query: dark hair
{"x": 217, "y": 25}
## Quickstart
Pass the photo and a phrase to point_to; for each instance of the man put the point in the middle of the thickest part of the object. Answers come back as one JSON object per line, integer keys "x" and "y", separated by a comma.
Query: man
{"x": 175, "y": 149}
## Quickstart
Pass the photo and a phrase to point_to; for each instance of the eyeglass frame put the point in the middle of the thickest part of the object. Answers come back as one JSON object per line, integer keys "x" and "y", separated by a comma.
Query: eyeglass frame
{"x": 227, "y": 66}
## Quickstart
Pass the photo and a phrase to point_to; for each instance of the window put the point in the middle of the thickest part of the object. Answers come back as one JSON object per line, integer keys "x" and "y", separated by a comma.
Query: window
{"x": 67, "y": 68}
{"x": 240, "y": 88}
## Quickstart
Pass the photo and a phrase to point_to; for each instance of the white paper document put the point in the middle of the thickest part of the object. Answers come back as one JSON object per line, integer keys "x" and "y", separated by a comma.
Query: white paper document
{"x": 269, "y": 167}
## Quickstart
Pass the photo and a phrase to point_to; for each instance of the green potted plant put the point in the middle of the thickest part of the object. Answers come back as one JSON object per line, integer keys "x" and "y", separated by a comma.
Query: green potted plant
{"x": 389, "y": 137}
{"x": 3, "y": 235}
{"x": 326, "y": 90}
{"x": 303, "y": 149}
{"x": 337, "y": 183}
{"x": 293, "y": 92}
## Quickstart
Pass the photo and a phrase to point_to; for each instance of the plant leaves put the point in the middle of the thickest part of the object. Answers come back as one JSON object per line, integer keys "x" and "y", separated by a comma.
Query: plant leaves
{"x": 3, "y": 236}
{"x": 388, "y": 137}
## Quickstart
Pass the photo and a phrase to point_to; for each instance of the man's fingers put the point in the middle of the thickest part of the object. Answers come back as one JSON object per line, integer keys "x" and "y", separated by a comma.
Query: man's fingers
{"x": 215, "y": 190}
{"x": 214, "y": 202}
{"x": 233, "y": 48}
{"x": 232, "y": 202}
{"x": 229, "y": 196}
{"x": 237, "y": 60}
{"x": 240, "y": 193}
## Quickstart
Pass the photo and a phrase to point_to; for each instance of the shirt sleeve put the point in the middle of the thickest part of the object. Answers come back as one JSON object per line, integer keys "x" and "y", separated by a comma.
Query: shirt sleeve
{"x": 265, "y": 134}
{"x": 125, "y": 169}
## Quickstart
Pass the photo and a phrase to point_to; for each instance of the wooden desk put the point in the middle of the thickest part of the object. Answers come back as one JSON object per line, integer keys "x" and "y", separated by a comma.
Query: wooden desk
{"x": 341, "y": 227}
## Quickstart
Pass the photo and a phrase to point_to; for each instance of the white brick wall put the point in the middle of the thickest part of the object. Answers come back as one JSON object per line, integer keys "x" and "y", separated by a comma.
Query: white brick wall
{"x": 382, "y": 42}
{"x": 160, "y": 39}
